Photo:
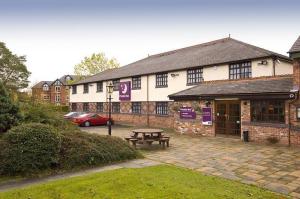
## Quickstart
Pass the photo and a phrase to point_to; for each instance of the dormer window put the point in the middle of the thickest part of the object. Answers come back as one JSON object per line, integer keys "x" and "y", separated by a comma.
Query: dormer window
{"x": 45, "y": 87}
{"x": 57, "y": 83}
{"x": 68, "y": 78}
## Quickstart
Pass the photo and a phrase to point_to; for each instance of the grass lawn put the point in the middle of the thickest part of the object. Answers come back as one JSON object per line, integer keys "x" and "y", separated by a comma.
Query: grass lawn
{"x": 150, "y": 182}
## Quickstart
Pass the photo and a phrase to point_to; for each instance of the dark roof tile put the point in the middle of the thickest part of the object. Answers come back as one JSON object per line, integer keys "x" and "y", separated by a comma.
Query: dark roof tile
{"x": 250, "y": 86}
{"x": 212, "y": 53}
{"x": 296, "y": 47}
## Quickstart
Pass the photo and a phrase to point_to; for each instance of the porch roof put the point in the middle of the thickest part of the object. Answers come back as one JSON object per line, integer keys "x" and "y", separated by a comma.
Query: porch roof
{"x": 278, "y": 88}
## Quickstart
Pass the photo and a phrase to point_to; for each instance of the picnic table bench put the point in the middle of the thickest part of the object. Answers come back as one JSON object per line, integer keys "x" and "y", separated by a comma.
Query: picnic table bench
{"x": 148, "y": 136}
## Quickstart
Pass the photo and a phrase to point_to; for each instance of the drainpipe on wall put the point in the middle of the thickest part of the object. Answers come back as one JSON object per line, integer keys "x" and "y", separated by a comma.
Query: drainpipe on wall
{"x": 274, "y": 65}
{"x": 289, "y": 117}
{"x": 148, "y": 101}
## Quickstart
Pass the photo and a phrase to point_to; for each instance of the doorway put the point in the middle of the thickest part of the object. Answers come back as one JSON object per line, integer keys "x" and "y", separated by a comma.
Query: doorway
{"x": 228, "y": 118}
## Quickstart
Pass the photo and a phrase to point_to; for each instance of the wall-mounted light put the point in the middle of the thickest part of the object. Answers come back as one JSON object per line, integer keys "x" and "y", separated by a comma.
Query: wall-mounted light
{"x": 215, "y": 67}
{"x": 91, "y": 85}
{"x": 263, "y": 62}
{"x": 207, "y": 103}
{"x": 174, "y": 74}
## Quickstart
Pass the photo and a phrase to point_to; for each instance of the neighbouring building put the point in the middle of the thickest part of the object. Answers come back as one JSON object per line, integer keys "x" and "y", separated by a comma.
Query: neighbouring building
{"x": 54, "y": 92}
{"x": 223, "y": 87}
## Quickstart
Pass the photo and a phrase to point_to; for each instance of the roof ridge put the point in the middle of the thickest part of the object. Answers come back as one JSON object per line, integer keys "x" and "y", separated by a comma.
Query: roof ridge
{"x": 259, "y": 48}
{"x": 189, "y": 47}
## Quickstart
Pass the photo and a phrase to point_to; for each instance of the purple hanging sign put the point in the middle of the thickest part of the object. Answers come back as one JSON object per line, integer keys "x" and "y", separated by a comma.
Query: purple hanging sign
{"x": 125, "y": 91}
{"x": 207, "y": 116}
{"x": 187, "y": 113}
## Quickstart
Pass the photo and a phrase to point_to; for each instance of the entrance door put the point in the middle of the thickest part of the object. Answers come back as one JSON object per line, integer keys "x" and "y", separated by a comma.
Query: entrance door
{"x": 228, "y": 114}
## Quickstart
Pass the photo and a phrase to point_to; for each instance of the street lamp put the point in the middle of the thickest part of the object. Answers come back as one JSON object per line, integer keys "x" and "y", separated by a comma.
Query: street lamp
{"x": 110, "y": 90}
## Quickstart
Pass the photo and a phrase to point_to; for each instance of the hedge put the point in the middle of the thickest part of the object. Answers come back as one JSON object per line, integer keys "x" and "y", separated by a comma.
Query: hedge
{"x": 28, "y": 148}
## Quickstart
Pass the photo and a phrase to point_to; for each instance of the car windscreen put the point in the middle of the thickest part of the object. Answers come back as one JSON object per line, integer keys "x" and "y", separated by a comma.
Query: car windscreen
{"x": 84, "y": 115}
{"x": 70, "y": 114}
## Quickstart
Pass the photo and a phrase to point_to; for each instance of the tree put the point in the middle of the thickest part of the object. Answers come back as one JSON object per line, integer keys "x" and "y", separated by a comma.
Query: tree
{"x": 94, "y": 64}
{"x": 13, "y": 71}
{"x": 9, "y": 112}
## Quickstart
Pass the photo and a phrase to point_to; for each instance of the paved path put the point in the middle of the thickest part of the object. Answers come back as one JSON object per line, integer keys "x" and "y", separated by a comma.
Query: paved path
{"x": 273, "y": 167}
{"x": 139, "y": 163}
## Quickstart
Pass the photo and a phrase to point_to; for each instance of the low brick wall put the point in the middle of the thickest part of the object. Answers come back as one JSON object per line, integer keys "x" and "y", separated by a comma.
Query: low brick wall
{"x": 258, "y": 132}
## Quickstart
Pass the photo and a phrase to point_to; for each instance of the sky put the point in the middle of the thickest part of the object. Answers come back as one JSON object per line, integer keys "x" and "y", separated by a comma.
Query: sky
{"x": 55, "y": 35}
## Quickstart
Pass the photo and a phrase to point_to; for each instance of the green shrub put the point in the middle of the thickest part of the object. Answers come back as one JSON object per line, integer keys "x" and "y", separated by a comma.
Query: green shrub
{"x": 9, "y": 112}
{"x": 45, "y": 114}
{"x": 83, "y": 149}
{"x": 28, "y": 148}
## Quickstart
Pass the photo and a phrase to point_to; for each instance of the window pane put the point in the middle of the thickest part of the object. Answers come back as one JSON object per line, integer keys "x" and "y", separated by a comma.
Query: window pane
{"x": 267, "y": 111}
{"x": 240, "y": 70}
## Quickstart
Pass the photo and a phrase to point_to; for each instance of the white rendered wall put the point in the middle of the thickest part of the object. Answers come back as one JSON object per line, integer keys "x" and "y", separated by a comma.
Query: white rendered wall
{"x": 176, "y": 82}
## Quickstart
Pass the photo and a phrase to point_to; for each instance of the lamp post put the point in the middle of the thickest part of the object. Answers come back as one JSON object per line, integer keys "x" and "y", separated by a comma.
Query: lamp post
{"x": 110, "y": 90}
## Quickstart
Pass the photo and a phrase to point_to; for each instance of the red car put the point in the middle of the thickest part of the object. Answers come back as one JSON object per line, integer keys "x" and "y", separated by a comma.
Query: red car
{"x": 90, "y": 119}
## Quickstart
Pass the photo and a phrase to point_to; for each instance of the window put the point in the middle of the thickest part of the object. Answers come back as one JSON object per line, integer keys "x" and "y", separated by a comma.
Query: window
{"x": 45, "y": 87}
{"x": 74, "y": 89}
{"x": 162, "y": 80}
{"x": 161, "y": 108}
{"x": 116, "y": 83}
{"x": 99, "y": 106}
{"x": 57, "y": 89}
{"x": 46, "y": 97}
{"x": 136, "y": 83}
{"x": 268, "y": 111}
{"x": 85, "y": 88}
{"x": 74, "y": 107}
{"x": 240, "y": 70}
{"x": 57, "y": 98}
{"x": 116, "y": 107}
{"x": 99, "y": 86}
{"x": 86, "y": 107}
{"x": 136, "y": 107}
{"x": 194, "y": 76}
{"x": 57, "y": 83}
{"x": 68, "y": 78}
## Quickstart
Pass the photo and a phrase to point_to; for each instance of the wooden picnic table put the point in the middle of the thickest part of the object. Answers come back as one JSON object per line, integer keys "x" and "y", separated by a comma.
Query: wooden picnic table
{"x": 152, "y": 134}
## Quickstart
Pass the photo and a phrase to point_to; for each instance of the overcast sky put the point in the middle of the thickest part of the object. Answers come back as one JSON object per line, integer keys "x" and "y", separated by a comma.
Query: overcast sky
{"x": 57, "y": 34}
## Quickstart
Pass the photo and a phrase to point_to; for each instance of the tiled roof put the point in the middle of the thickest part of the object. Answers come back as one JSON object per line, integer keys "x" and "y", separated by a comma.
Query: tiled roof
{"x": 238, "y": 87}
{"x": 207, "y": 54}
{"x": 41, "y": 83}
{"x": 296, "y": 47}
{"x": 61, "y": 79}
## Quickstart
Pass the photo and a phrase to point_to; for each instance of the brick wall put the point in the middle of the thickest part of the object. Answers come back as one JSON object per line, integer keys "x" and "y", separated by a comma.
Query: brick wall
{"x": 125, "y": 115}
{"x": 192, "y": 126}
{"x": 261, "y": 132}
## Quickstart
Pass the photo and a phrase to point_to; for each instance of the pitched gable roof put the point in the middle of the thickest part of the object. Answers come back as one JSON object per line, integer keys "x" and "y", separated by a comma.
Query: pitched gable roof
{"x": 296, "y": 47}
{"x": 212, "y": 53}
{"x": 41, "y": 83}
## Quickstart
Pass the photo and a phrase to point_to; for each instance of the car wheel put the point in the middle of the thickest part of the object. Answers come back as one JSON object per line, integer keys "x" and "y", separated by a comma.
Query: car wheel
{"x": 87, "y": 124}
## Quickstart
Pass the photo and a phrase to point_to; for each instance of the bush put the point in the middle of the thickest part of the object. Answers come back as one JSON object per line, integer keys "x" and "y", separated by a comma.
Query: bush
{"x": 9, "y": 112}
{"x": 45, "y": 114}
{"x": 29, "y": 148}
{"x": 83, "y": 149}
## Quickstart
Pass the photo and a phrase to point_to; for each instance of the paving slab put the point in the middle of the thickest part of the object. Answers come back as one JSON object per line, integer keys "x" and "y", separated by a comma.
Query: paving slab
{"x": 270, "y": 166}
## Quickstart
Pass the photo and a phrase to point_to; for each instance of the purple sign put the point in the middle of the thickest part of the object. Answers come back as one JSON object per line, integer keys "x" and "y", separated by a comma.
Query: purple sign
{"x": 187, "y": 113}
{"x": 125, "y": 91}
{"x": 207, "y": 116}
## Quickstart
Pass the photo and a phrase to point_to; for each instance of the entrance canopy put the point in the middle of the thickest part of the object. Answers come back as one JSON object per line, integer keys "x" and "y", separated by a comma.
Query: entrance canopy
{"x": 270, "y": 88}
